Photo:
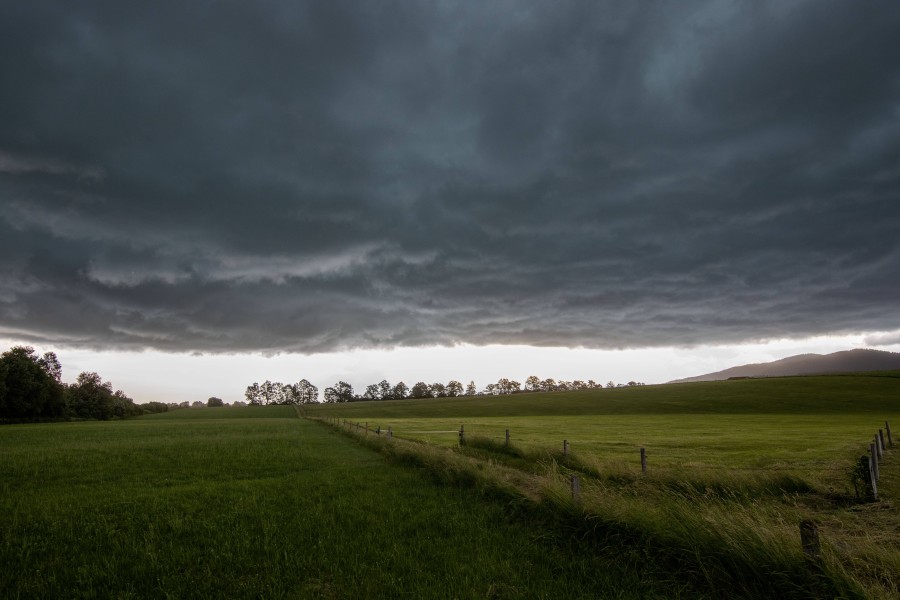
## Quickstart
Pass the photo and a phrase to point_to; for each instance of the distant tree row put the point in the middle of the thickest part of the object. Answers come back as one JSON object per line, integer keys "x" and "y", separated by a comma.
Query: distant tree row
{"x": 343, "y": 391}
{"x": 158, "y": 407}
{"x": 304, "y": 392}
{"x": 273, "y": 392}
{"x": 31, "y": 389}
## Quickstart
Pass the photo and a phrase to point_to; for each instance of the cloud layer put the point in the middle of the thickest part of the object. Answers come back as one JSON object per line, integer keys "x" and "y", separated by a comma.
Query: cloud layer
{"x": 284, "y": 176}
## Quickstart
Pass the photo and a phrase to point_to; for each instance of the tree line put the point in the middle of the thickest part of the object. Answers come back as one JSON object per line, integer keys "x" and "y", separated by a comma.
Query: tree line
{"x": 274, "y": 392}
{"x": 304, "y": 392}
{"x": 31, "y": 389}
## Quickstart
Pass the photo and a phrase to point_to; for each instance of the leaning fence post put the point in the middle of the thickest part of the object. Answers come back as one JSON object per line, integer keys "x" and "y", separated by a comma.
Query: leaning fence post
{"x": 878, "y": 448}
{"x": 887, "y": 426}
{"x": 506, "y": 443}
{"x": 809, "y": 540}
{"x": 643, "y": 460}
{"x": 576, "y": 489}
{"x": 868, "y": 473}
{"x": 565, "y": 448}
{"x": 881, "y": 440}
{"x": 462, "y": 435}
{"x": 874, "y": 462}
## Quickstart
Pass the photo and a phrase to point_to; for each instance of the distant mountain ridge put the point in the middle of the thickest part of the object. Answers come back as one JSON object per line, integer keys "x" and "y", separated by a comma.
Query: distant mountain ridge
{"x": 847, "y": 361}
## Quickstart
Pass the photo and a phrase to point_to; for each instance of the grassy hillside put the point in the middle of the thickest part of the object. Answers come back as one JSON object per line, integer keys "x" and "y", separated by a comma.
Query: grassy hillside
{"x": 871, "y": 393}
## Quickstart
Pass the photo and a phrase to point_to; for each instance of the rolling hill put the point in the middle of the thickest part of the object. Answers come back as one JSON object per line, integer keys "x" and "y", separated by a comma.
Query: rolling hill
{"x": 848, "y": 361}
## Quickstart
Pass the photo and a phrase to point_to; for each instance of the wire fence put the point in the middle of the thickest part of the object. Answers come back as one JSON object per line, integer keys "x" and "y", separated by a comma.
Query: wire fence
{"x": 876, "y": 450}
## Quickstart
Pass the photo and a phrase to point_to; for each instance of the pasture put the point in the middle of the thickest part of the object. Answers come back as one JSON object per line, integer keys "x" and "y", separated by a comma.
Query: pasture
{"x": 733, "y": 467}
{"x": 258, "y": 503}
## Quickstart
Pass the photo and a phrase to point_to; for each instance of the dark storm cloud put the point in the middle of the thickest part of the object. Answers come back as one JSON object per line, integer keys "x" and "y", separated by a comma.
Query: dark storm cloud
{"x": 282, "y": 176}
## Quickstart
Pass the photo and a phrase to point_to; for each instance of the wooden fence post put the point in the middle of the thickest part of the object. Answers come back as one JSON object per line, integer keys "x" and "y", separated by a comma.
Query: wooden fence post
{"x": 576, "y": 489}
{"x": 390, "y": 434}
{"x": 506, "y": 443}
{"x": 643, "y": 460}
{"x": 874, "y": 462}
{"x": 890, "y": 439}
{"x": 367, "y": 428}
{"x": 869, "y": 476}
{"x": 462, "y": 435}
{"x": 881, "y": 440}
{"x": 879, "y": 449}
{"x": 565, "y": 448}
{"x": 809, "y": 540}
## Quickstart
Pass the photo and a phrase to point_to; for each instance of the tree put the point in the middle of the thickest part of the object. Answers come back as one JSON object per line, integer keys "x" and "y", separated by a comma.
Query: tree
{"x": 270, "y": 392}
{"x": 420, "y": 390}
{"x": 454, "y": 388}
{"x": 91, "y": 398}
{"x": 29, "y": 388}
{"x": 385, "y": 392}
{"x": 533, "y": 384}
{"x": 345, "y": 391}
{"x": 50, "y": 365}
{"x": 213, "y": 401}
{"x": 400, "y": 391}
{"x": 437, "y": 390}
{"x": 123, "y": 406}
{"x": 290, "y": 394}
{"x": 253, "y": 394}
{"x": 340, "y": 392}
{"x": 307, "y": 392}
{"x": 507, "y": 386}
{"x": 373, "y": 392}
{"x": 471, "y": 390}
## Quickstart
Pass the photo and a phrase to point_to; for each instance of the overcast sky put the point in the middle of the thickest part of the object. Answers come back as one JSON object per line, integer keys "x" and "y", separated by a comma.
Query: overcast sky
{"x": 316, "y": 178}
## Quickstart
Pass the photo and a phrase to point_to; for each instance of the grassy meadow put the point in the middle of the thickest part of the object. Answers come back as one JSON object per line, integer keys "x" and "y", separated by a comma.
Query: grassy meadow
{"x": 259, "y": 502}
{"x": 799, "y": 424}
{"x": 733, "y": 467}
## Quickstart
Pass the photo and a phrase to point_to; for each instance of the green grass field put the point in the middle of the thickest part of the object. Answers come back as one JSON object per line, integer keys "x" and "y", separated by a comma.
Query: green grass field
{"x": 800, "y": 424}
{"x": 259, "y": 502}
{"x": 733, "y": 467}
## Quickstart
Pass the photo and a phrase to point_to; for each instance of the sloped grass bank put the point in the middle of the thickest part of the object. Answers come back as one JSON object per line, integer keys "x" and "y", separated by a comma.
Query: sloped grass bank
{"x": 272, "y": 506}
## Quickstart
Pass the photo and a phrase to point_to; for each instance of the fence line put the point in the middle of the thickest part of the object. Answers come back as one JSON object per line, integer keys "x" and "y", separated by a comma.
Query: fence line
{"x": 867, "y": 469}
